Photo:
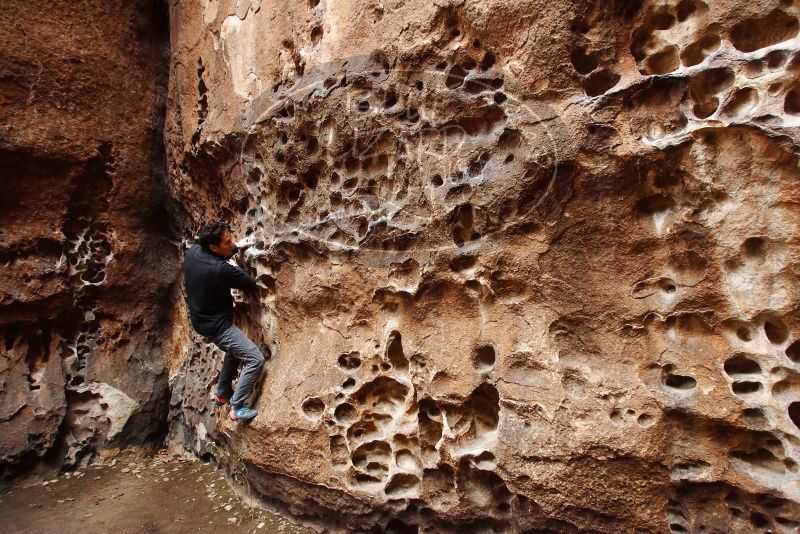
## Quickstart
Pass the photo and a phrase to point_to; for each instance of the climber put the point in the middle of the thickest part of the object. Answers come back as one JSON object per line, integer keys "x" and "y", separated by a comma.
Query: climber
{"x": 208, "y": 279}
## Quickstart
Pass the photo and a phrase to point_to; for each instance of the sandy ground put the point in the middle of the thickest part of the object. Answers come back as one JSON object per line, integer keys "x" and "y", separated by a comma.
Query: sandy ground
{"x": 156, "y": 495}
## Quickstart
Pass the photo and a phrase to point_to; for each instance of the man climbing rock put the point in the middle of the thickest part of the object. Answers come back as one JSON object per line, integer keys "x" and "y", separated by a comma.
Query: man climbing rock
{"x": 208, "y": 279}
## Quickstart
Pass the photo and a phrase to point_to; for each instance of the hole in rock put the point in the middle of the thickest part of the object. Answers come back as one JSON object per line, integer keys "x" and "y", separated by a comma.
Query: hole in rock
{"x": 710, "y": 82}
{"x": 349, "y": 361}
{"x": 761, "y": 458}
{"x": 394, "y": 352}
{"x": 698, "y": 51}
{"x": 382, "y": 395}
{"x": 406, "y": 460}
{"x": 655, "y": 204}
{"x": 345, "y": 413}
{"x": 316, "y": 35}
{"x": 488, "y": 61}
{"x": 754, "y": 246}
{"x": 752, "y": 34}
{"x": 391, "y": 99}
{"x": 661, "y": 21}
{"x": 776, "y": 59}
{"x": 667, "y": 285}
{"x": 429, "y": 407}
{"x": 663, "y": 62}
{"x": 679, "y": 382}
{"x": 463, "y": 263}
{"x": 776, "y": 331}
{"x": 395, "y": 526}
{"x": 402, "y": 485}
{"x": 746, "y": 387}
{"x": 794, "y": 413}
{"x": 455, "y": 77}
{"x": 484, "y": 488}
{"x": 645, "y": 420}
{"x": 374, "y": 455}
{"x": 759, "y": 520}
{"x": 791, "y": 104}
{"x": 740, "y": 365}
{"x": 462, "y": 231}
{"x": 583, "y": 62}
{"x": 411, "y": 115}
{"x": 793, "y": 351}
{"x": 313, "y": 408}
{"x": 703, "y": 110}
{"x": 745, "y": 333}
{"x": 786, "y": 390}
{"x": 484, "y": 358}
{"x": 599, "y": 82}
{"x": 741, "y": 102}
{"x": 686, "y": 8}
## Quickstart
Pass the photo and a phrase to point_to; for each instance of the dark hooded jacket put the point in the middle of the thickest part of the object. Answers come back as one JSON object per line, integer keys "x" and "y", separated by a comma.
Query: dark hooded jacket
{"x": 208, "y": 280}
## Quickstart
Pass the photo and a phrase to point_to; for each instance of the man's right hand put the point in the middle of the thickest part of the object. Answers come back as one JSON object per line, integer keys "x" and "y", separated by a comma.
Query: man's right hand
{"x": 246, "y": 242}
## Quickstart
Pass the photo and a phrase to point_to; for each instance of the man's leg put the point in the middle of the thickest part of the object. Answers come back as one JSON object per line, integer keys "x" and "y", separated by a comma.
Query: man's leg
{"x": 240, "y": 347}
{"x": 226, "y": 375}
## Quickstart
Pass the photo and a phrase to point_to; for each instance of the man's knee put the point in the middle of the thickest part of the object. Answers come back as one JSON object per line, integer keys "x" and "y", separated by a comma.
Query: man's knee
{"x": 258, "y": 358}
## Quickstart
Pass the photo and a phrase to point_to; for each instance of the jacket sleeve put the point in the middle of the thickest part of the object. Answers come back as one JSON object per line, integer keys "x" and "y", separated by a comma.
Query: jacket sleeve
{"x": 236, "y": 278}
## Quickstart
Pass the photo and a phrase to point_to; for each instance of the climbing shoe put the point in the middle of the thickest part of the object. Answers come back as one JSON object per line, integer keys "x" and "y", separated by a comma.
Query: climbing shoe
{"x": 220, "y": 400}
{"x": 243, "y": 413}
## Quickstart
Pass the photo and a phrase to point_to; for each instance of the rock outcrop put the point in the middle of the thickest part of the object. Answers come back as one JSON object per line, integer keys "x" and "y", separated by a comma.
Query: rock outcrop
{"x": 87, "y": 252}
{"x": 524, "y": 266}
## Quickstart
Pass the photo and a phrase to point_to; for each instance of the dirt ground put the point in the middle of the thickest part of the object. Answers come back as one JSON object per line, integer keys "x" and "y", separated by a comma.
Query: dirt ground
{"x": 157, "y": 495}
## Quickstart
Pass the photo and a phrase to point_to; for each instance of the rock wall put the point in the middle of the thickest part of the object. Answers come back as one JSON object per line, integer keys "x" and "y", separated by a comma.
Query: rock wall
{"x": 523, "y": 266}
{"x": 86, "y": 260}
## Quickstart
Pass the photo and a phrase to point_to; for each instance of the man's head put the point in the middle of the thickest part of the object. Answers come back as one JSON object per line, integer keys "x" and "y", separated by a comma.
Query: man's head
{"x": 215, "y": 237}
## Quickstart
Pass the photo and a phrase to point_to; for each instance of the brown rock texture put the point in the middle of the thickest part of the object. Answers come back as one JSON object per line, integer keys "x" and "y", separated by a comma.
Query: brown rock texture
{"x": 85, "y": 254}
{"x": 524, "y": 266}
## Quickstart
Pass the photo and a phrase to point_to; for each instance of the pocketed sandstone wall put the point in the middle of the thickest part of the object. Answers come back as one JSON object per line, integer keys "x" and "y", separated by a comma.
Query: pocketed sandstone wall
{"x": 523, "y": 266}
{"x": 86, "y": 258}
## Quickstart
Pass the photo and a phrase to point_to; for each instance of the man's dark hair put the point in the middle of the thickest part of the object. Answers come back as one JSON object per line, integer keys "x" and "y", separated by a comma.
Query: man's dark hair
{"x": 211, "y": 233}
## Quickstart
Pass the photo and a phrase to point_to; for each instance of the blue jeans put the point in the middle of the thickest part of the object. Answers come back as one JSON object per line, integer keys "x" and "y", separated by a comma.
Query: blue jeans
{"x": 238, "y": 349}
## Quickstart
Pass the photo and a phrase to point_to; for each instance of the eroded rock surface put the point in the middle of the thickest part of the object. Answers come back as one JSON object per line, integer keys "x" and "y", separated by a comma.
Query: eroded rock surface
{"x": 524, "y": 266}
{"x": 85, "y": 257}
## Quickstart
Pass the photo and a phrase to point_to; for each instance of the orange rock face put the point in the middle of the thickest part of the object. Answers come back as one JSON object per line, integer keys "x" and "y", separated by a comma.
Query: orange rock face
{"x": 85, "y": 254}
{"x": 524, "y": 266}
